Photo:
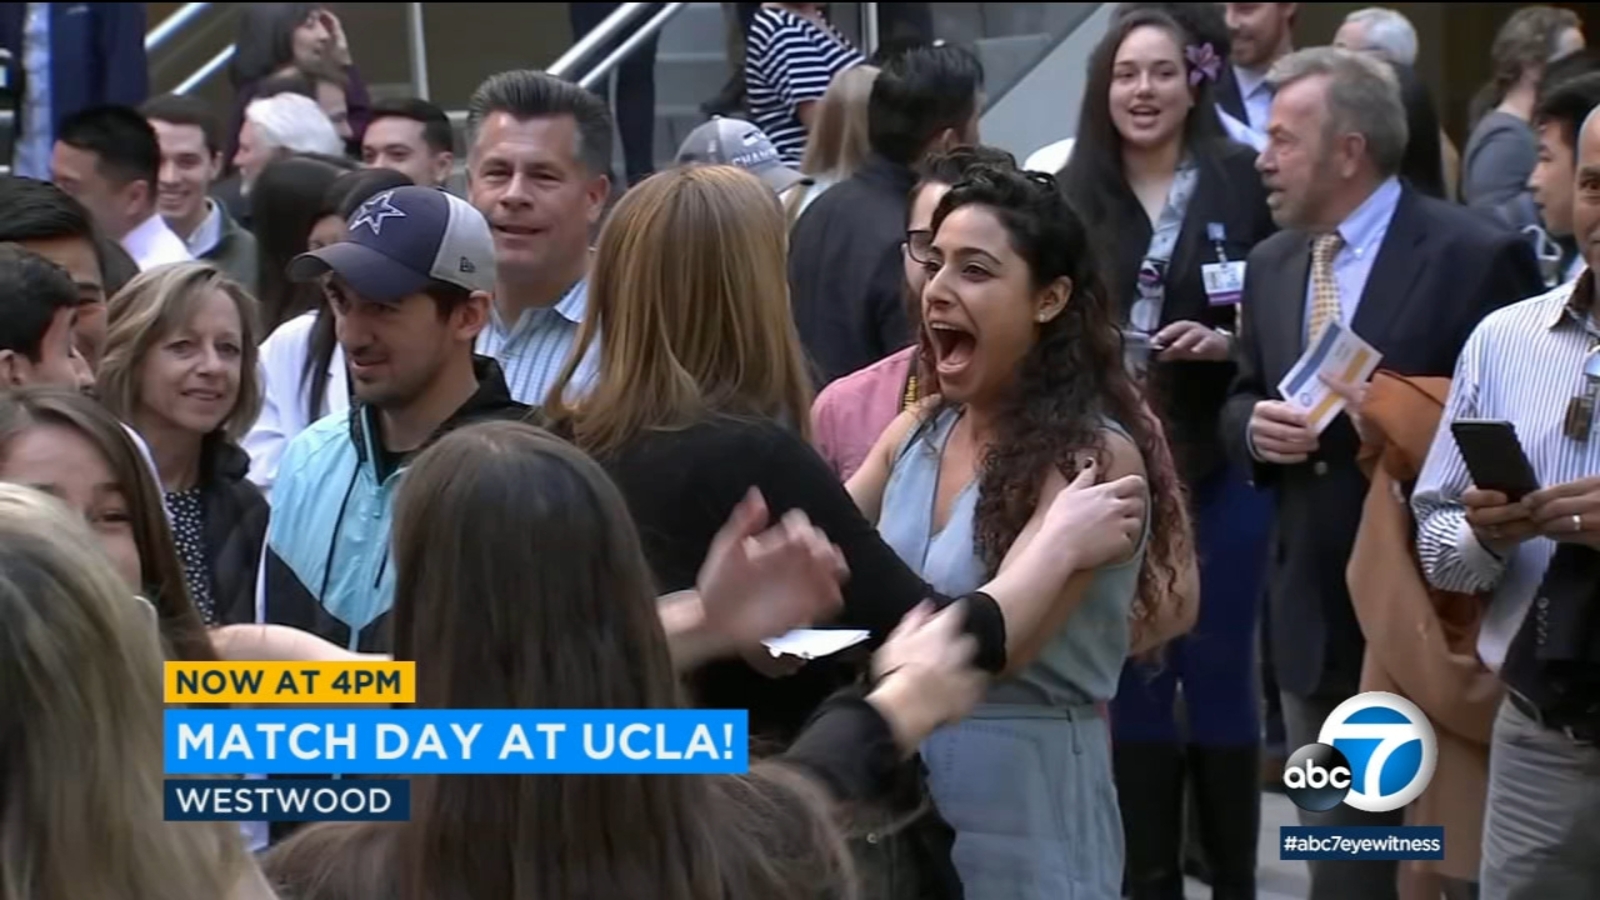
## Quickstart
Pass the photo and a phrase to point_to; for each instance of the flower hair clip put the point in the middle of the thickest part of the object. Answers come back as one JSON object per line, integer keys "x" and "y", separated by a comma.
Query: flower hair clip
{"x": 1205, "y": 64}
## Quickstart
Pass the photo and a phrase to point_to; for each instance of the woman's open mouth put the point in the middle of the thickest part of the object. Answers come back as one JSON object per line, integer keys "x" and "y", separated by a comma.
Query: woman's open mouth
{"x": 953, "y": 347}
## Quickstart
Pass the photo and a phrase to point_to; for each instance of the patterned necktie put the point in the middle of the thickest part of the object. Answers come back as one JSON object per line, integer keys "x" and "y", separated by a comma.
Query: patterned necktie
{"x": 1324, "y": 287}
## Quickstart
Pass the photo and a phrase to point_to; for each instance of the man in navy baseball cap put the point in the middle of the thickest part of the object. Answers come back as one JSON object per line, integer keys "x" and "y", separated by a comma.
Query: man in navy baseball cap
{"x": 409, "y": 291}
{"x": 401, "y": 240}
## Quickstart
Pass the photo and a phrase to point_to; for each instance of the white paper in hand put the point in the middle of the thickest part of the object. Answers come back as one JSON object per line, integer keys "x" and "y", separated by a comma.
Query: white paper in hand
{"x": 1340, "y": 355}
{"x": 815, "y": 643}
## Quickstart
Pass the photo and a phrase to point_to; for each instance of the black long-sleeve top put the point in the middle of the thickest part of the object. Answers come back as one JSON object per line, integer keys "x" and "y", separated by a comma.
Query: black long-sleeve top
{"x": 681, "y": 486}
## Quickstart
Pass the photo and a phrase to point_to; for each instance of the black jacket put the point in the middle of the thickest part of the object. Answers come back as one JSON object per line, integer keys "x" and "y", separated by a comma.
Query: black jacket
{"x": 235, "y": 528}
{"x": 1190, "y": 395}
{"x": 846, "y": 277}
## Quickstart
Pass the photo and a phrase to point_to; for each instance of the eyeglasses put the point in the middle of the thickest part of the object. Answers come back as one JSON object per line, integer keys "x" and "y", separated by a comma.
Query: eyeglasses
{"x": 919, "y": 245}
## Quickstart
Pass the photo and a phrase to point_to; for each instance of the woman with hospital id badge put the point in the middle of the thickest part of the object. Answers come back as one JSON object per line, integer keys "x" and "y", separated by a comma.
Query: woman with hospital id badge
{"x": 1180, "y": 207}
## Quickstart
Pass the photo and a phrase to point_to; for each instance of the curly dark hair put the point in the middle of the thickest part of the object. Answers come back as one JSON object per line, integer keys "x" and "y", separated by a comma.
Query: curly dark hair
{"x": 1071, "y": 382}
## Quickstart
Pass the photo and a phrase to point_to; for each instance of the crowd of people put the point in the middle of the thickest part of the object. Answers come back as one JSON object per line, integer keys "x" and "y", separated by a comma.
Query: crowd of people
{"x": 277, "y": 389}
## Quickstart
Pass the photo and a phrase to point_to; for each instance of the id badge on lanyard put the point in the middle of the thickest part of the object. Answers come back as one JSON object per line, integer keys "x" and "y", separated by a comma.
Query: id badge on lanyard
{"x": 1224, "y": 280}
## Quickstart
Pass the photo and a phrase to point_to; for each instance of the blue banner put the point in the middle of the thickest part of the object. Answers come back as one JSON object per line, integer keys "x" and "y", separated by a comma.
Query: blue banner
{"x": 298, "y": 741}
{"x": 1361, "y": 842}
{"x": 314, "y": 800}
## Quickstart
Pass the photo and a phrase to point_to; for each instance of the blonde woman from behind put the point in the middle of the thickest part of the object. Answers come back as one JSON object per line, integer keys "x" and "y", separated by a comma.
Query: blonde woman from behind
{"x": 80, "y": 731}
{"x": 837, "y": 145}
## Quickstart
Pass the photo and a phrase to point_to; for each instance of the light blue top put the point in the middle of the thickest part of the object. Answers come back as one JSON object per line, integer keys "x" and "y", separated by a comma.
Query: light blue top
{"x": 532, "y": 350}
{"x": 1363, "y": 232}
{"x": 1083, "y": 662}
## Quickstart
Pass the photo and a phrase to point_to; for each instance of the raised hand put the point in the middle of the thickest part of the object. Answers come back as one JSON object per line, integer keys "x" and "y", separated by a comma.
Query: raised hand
{"x": 757, "y": 584}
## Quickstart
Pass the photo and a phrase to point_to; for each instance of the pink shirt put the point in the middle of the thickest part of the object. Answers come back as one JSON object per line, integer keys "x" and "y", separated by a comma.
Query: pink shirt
{"x": 851, "y": 413}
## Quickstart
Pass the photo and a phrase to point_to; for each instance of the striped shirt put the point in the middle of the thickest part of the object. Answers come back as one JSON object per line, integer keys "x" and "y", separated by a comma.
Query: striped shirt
{"x": 1522, "y": 364}
{"x": 789, "y": 60}
{"x": 533, "y": 351}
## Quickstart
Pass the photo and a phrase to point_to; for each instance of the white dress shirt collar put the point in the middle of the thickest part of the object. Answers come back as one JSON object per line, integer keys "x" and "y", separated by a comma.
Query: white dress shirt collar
{"x": 206, "y": 237}
{"x": 152, "y": 243}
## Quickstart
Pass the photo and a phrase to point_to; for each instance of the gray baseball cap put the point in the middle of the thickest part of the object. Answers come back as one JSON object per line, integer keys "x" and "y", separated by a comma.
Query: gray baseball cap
{"x": 403, "y": 238}
{"x": 735, "y": 142}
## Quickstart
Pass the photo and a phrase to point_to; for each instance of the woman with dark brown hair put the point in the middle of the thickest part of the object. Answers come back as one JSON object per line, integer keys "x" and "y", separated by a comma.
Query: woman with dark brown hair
{"x": 522, "y": 585}
{"x": 1024, "y": 341}
{"x": 67, "y": 445}
{"x": 1176, "y": 207}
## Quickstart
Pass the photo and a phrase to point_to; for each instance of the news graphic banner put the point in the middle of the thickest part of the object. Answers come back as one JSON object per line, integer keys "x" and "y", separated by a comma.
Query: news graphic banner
{"x": 457, "y": 742}
{"x": 303, "y": 725}
{"x": 291, "y": 682}
{"x": 1355, "y": 842}
{"x": 283, "y": 800}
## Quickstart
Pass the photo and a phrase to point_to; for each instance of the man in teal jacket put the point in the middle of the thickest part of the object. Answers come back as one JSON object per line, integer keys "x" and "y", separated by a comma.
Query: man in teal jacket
{"x": 410, "y": 290}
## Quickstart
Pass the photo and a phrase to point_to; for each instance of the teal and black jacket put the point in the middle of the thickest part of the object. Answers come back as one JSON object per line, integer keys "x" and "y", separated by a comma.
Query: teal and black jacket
{"x": 327, "y": 567}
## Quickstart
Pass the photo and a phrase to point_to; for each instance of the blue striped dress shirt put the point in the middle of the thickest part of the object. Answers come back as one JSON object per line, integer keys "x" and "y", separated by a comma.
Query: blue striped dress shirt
{"x": 1522, "y": 364}
{"x": 533, "y": 350}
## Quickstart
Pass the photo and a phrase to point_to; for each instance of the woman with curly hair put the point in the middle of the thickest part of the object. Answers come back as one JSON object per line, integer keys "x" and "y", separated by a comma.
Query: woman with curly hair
{"x": 1024, "y": 340}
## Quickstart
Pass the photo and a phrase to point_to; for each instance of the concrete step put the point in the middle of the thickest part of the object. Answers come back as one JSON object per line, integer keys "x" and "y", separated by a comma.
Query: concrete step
{"x": 1005, "y": 59}
{"x": 673, "y": 124}
{"x": 697, "y": 29}
{"x": 689, "y": 79}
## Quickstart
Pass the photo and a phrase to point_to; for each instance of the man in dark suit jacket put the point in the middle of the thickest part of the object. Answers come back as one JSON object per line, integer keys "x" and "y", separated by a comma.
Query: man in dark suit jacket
{"x": 846, "y": 271}
{"x": 1410, "y": 275}
{"x": 95, "y": 56}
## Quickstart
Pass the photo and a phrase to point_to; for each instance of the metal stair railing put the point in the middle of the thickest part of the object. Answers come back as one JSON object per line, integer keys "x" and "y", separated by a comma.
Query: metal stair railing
{"x": 185, "y": 15}
{"x": 180, "y": 19}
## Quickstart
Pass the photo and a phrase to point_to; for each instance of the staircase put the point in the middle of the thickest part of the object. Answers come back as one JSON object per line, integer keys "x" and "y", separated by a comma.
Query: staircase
{"x": 692, "y": 65}
{"x": 691, "y": 60}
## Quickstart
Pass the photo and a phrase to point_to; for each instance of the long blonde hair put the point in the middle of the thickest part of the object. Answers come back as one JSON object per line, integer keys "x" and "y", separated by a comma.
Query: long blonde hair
{"x": 689, "y": 302}
{"x": 837, "y": 146}
{"x": 80, "y": 728}
{"x": 152, "y": 306}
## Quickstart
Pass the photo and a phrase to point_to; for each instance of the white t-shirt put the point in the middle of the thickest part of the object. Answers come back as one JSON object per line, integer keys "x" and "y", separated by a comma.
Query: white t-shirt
{"x": 283, "y": 406}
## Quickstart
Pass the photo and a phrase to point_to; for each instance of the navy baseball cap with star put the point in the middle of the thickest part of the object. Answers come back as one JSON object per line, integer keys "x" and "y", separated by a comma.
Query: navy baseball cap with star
{"x": 403, "y": 239}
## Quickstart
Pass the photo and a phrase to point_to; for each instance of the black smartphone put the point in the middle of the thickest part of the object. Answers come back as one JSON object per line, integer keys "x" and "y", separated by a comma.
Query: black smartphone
{"x": 1495, "y": 457}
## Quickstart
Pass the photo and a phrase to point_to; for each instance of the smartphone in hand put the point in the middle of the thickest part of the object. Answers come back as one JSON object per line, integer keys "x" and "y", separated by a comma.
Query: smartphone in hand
{"x": 1495, "y": 457}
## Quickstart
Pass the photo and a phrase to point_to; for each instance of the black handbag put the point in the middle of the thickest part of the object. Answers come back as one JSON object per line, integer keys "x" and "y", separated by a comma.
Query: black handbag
{"x": 901, "y": 844}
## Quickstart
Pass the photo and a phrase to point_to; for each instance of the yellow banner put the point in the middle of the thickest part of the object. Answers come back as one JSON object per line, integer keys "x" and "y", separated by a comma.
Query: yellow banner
{"x": 291, "y": 682}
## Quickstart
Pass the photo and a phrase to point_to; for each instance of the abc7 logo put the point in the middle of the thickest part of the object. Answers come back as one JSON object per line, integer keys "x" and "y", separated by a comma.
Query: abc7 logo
{"x": 1376, "y": 753}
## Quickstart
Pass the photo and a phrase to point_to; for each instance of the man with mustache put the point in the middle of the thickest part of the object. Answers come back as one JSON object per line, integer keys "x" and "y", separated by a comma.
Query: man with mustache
{"x": 1410, "y": 275}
